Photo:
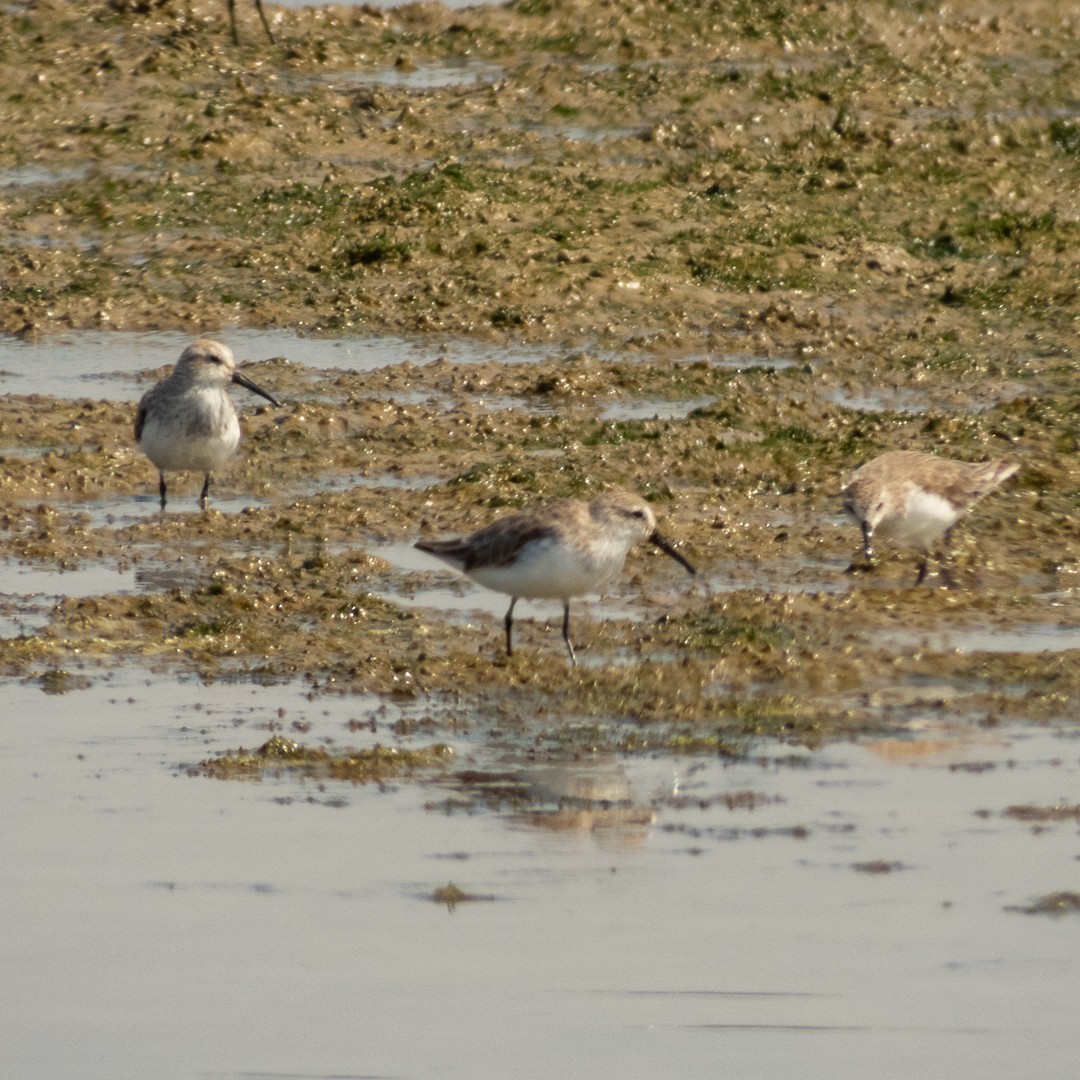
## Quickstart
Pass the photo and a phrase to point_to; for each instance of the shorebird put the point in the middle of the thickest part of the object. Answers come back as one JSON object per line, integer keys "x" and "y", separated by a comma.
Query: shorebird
{"x": 565, "y": 549}
{"x": 186, "y": 422}
{"x": 915, "y": 500}
{"x": 262, "y": 15}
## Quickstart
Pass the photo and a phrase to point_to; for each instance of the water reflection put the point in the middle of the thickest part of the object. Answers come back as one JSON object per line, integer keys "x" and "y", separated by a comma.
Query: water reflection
{"x": 715, "y": 906}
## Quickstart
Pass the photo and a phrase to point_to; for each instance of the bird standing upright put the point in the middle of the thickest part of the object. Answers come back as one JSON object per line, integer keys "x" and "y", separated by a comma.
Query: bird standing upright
{"x": 187, "y": 422}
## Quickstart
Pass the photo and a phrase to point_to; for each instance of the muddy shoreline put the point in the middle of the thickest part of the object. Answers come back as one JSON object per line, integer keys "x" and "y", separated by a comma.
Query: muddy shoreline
{"x": 873, "y": 209}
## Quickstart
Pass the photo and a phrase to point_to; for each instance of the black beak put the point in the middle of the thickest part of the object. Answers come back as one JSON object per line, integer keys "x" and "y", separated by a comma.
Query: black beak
{"x": 667, "y": 549}
{"x": 243, "y": 380}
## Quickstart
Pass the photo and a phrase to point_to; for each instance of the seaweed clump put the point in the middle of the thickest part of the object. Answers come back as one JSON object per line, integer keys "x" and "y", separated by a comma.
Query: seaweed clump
{"x": 279, "y": 755}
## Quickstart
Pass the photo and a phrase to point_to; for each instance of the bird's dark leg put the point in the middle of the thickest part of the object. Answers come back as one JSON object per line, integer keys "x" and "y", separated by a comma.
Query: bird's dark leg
{"x": 566, "y": 631}
{"x": 857, "y": 567}
{"x": 232, "y": 22}
{"x": 266, "y": 25}
{"x": 262, "y": 16}
{"x": 509, "y": 623}
{"x": 924, "y": 564}
{"x": 946, "y": 560}
{"x": 204, "y": 498}
{"x": 161, "y": 488}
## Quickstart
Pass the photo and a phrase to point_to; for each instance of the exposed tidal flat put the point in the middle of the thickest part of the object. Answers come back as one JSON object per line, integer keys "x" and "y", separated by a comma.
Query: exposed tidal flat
{"x": 719, "y": 254}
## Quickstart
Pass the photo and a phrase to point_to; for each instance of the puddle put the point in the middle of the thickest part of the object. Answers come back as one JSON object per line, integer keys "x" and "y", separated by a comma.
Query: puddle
{"x": 748, "y": 362}
{"x": 380, "y": 480}
{"x": 1033, "y": 638}
{"x": 123, "y": 510}
{"x": 31, "y": 175}
{"x": 643, "y": 911}
{"x": 106, "y": 364}
{"x": 897, "y": 401}
{"x": 784, "y": 576}
{"x": 463, "y": 71}
{"x": 916, "y": 403}
{"x": 653, "y": 410}
{"x": 578, "y": 133}
{"x": 28, "y": 591}
{"x": 112, "y": 364}
{"x": 89, "y": 579}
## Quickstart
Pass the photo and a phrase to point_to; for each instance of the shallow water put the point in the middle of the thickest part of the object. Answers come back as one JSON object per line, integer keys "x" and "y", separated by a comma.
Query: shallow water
{"x": 849, "y": 911}
{"x": 105, "y": 363}
{"x": 652, "y": 409}
{"x": 464, "y": 71}
{"x": 844, "y": 912}
{"x": 1035, "y": 638}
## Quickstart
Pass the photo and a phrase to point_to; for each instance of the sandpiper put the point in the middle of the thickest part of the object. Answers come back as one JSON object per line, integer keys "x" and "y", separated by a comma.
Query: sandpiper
{"x": 565, "y": 549}
{"x": 915, "y": 499}
{"x": 186, "y": 422}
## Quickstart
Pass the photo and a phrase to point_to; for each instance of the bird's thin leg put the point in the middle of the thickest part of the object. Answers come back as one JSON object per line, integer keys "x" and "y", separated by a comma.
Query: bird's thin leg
{"x": 566, "y": 631}
{"x": 266, "y": 25}
{"x": 857, "y": 567}
{"x": 161, "y": 488}
{"x": 232, "y": 21}
{"x": 923, "y": 566}
{"x": 204, "y": 498}
{"x": 509, "y": 623}
{"x": 946, "y": 560}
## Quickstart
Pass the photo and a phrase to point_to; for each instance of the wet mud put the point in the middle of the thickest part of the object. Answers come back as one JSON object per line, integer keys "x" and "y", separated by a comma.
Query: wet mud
{"x": 754, "y": 247}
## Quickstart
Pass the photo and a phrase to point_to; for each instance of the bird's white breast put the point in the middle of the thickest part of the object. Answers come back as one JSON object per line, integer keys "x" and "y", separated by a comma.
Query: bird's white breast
{"x": 923, "y": 518}
{"x": 548, "y": 570}
{"x": 197, "y": 430}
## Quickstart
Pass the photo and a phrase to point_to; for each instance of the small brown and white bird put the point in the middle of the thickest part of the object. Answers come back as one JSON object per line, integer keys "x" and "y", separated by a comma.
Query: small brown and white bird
{"x": 564, "y": 549}
{"x": 187, "y": 422}
{"x": 915, "y": 499}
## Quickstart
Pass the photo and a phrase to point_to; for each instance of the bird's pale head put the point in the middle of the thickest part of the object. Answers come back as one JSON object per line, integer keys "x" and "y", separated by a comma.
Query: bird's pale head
{"x": 207, "y": 361}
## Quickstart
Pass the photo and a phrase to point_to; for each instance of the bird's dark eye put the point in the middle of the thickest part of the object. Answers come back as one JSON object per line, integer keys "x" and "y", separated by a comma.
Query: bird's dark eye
{"x": 639, "y": 514}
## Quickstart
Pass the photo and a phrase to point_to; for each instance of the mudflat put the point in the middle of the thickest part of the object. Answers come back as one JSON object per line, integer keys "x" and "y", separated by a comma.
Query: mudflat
{"x": 758, "y": 244}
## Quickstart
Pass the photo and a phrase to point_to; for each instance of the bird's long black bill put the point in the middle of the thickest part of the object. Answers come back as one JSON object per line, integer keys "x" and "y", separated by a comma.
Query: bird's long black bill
{"x": 243, "y": 380}
{"x": 667, "y": 549}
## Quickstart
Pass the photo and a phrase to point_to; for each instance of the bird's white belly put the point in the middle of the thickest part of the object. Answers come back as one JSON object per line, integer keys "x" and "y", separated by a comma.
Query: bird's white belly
{"x": 923, "y": 520}
{"x": 173, "y": 449}
{"x": 545, "y": 570}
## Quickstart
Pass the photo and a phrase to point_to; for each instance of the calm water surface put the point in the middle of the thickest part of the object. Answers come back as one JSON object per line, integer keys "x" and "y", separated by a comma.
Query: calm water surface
{"x": 163, "y": 924}
{"x": 847, "y": 912}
